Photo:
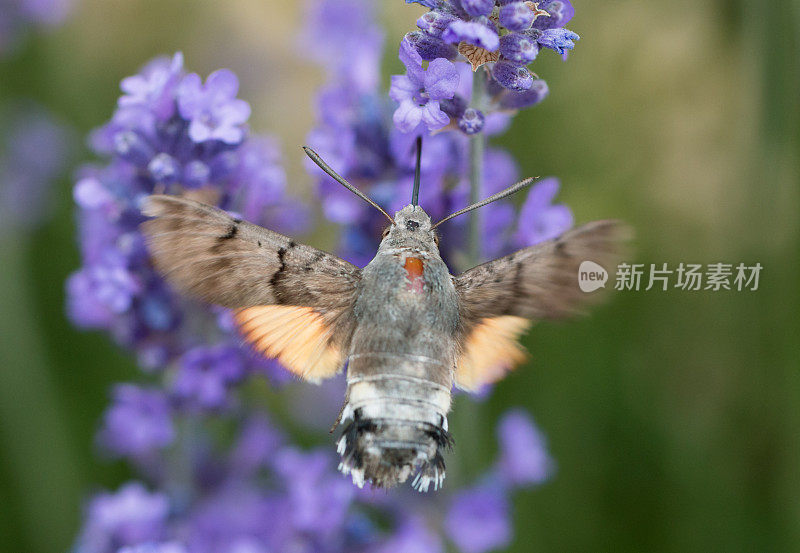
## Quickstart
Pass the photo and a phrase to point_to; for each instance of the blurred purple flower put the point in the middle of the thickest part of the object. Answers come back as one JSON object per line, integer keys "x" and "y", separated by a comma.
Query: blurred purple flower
{"x": 213, "y": 111}
{"x": 420, "y": 90}
{"x": 412, "y": 536}
{"x": 111, "y": 288}
{"x": 539, "y": 219}
{"x": 341, "y": 35}
{"x": 150, "y": 148}
{"x": 318, "y": 498}
{"x": 523, "y": 453}
{"x": 130, "y": 516}
{"x": 154, "y": 88}
{"x": 137, "y": 423}
{"x": 478, "y": 519}
{"x": 256, "y": 445}
{"x": 164, "y": 547}
{"x": 18, "y": 17}
{"x": 519, "y": 100}
{"x": 204, "y": 375}
{"x": 34, "y": 152}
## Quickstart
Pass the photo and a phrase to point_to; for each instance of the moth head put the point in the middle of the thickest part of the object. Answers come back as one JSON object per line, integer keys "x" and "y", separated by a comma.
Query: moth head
{"x": 411, "y": 228}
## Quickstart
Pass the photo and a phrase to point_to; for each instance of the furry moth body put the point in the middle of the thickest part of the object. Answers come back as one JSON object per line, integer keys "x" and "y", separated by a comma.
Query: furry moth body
{"x": 407, "y": 329}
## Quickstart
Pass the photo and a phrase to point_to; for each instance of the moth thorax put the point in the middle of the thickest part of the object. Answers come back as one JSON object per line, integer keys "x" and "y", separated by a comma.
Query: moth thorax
{"x": 395, "y": 426}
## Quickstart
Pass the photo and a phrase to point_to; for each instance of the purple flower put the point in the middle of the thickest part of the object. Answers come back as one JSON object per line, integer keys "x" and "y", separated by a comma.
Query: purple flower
{"x": 164, "y": 547}
{"x": 516, "y": 16}
{"x": 476, "y": 8}
{"x": 318, "y": 498}
{"x": 523, "y": 452}
{"x": 18, "y": 17}
{"x": 343, "y": 37}
{"x": 512, "y": 76}
{"x": 419, "y": 91}
{"x": 471, "y": 121}
{"x": 519, "y": 100}
{"x": 112, "y": 288}
{"x": 150, "y": 148}
{"x": 205, "y": 374}
{"x": 559, "y": 40}
{"x": 478, "y": 519}
{"x": 34, "y": 152}
{"x": 213, "y": 111}
{"x": 539, "y": 219}
{"x": 413, "y": 536}
{"x": 154, "y": 87}
{"x": 431, "y": 47}
{"x": 257, "y": 443}
{"x": 137, "y": 423}
{"x": 130, "y": 516}
{"x": 561, "y": 12}
{"x": 434, "y": 23}
{"x": 478, "y": 33}
{"x": 518, "y": 47}
{"x": 47, "y": 12}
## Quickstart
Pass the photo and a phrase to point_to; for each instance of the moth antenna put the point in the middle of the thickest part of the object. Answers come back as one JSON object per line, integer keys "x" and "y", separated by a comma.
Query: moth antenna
{"x": 415, "y": 193}
{"x": 513, "y": 189}
{"x": 325, "y": 167}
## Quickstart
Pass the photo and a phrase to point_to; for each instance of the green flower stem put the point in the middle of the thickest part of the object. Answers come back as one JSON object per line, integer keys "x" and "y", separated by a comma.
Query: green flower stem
{"x": 477, "y": 147}
{"x": 467, "y": 426}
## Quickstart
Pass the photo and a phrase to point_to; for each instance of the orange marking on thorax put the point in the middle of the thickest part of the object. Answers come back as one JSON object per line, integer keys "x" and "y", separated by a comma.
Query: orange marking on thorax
{"x": 414, "y": 269}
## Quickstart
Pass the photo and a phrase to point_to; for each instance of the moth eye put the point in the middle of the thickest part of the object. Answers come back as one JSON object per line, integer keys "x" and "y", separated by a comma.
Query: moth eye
{"x": 385, "y": 232}
{"x": 436, "y": 239}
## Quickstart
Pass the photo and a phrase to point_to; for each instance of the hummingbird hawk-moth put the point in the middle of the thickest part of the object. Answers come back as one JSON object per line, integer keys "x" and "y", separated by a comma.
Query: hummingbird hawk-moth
{"x": 407, "y": 329}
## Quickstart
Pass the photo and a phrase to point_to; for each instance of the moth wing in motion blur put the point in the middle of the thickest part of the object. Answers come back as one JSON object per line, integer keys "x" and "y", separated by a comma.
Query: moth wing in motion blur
{"x": 293, "y": 302}
{"x": 498, "y": 299}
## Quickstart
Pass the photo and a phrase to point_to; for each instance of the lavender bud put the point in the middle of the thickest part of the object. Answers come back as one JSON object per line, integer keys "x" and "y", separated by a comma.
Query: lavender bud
{"x": 472, "y": 121}
{"x": 454, "y": 107}
{"x": 518, "y": 48}
{"x": 516, "y": 16}
{"x": 130, "y": 146}
{"x": 519, "y": 100}
{"x": 511, "y": 76}
{"x": 164, "y": 168}
{"x": 435, "y": 22}
{"x": 558, "y": 39}
{"x": 196, "y": 174}
{"x": 561, "y": 12}
{"x": 429, "y": 47}
{"x": 476, "y": 8}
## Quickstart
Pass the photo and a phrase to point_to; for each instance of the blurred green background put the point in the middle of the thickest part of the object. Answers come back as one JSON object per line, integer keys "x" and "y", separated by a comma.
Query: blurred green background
{"x": 674, "y": 417}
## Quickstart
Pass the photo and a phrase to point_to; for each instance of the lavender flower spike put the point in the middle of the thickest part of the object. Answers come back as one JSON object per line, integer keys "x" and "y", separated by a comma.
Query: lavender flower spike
{"x": 419, "y": 91}
{"x": 213, "y": 110}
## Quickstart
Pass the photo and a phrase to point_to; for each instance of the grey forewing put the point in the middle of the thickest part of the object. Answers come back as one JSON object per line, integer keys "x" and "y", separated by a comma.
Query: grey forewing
{"x": 217, "y": 258}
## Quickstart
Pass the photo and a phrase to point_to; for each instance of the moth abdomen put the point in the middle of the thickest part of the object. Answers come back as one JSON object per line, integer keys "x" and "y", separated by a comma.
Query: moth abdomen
{"x": 396, "y": 426}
